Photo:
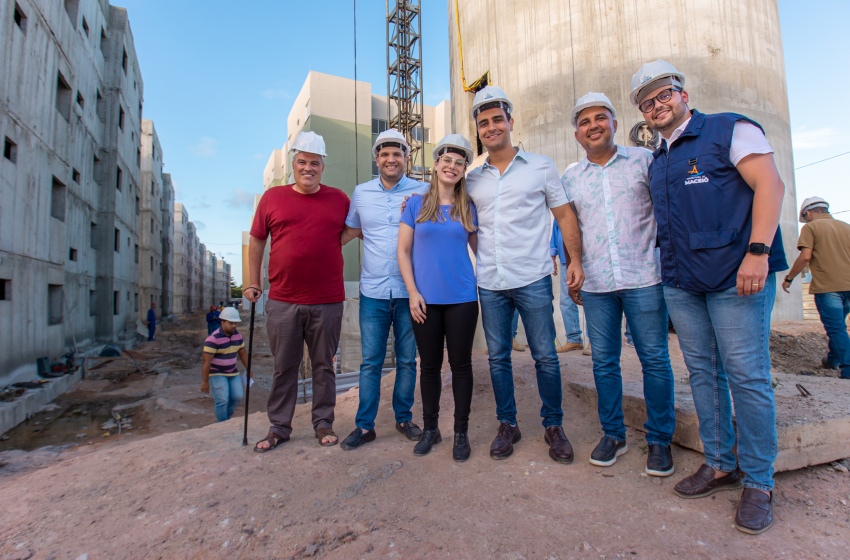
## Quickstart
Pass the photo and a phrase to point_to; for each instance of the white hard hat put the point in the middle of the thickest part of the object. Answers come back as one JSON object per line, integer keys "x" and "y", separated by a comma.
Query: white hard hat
{"x": 812, "y": 202}
{"x": 229, "y": 314}
{"x": 453, "y": 143}
{"x": 310, "y": 142}
{"x": 390, "y": 137}
{"x": 490, "y": 97}
{"x": 592, "y": 99}
{"x": 653, "y": 75}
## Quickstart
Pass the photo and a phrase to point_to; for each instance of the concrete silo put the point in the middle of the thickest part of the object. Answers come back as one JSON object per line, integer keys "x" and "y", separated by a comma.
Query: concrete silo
{"x": 547, "y": 53}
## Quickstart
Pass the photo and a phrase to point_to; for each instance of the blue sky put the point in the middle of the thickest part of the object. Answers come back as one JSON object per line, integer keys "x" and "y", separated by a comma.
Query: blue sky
{"x": 220, "y": 78}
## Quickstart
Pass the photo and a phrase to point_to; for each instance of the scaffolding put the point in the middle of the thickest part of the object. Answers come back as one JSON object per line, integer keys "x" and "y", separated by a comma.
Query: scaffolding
{"x": 404, "y": 80}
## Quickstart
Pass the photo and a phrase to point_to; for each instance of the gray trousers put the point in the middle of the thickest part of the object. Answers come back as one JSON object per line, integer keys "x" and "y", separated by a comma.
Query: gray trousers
{"x": 289, "y": 326}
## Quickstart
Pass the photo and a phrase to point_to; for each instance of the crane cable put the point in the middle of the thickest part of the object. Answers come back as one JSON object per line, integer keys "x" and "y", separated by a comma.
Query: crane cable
{"x": 480, "y": 82}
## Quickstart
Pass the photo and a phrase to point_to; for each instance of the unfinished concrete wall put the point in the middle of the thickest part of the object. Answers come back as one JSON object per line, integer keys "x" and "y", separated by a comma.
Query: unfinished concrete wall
{"x": 180, "y": 260}
{"x": 548, "y": 53}
{"x": 167, "y": 241}
{"x": 150, "y": 222}
{"x": 59, "y": 81}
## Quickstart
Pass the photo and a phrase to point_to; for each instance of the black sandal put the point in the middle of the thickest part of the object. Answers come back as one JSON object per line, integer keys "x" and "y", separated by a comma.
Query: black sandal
{"x": 273, "y": 439}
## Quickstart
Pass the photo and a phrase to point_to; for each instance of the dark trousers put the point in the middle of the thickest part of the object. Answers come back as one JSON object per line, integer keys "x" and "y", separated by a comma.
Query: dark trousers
{"x": 454, "y": 324}
{"x": 290, "y": 326}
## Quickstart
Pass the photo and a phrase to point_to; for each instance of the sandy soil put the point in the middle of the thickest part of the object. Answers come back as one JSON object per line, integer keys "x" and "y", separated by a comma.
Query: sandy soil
{"x": 196, "y": 492}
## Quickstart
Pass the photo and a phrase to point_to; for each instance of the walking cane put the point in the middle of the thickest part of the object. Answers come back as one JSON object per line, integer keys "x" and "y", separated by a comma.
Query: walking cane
{"x": 248, "y": 377}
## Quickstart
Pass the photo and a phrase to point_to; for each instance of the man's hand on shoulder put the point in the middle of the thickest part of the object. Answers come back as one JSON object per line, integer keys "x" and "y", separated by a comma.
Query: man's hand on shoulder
{"x": 404, "y": 202}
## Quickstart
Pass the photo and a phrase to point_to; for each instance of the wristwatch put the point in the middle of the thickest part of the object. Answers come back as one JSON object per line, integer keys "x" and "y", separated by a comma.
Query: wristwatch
{"x": 758, "y": 249}
{"x": 789, "y": 280}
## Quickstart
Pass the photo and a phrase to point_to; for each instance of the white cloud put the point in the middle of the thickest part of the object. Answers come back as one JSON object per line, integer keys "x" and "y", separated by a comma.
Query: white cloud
{"x": 275, "y": 94}
{"x": 199, "y": 225}
{"x": 241, "y": 197}
{"x": 814, "y": 139}
{"x": 204, "y": 148}
{"x": 259, "y": 156}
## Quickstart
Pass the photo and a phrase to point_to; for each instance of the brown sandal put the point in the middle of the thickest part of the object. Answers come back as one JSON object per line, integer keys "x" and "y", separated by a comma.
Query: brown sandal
{"x": 273, "y": 439}
{"x": 322, "y": 433}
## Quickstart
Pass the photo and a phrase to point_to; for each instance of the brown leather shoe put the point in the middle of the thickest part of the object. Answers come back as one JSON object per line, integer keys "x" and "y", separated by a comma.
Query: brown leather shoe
{"x": 755, "y": 512}
{"x": 702, "y": 483}
{"x": 503, "y": 446}
{"x": 560, "y": 449}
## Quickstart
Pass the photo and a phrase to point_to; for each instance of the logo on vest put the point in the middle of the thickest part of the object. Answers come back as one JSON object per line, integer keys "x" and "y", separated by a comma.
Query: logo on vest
{"x": 695, "y": 177}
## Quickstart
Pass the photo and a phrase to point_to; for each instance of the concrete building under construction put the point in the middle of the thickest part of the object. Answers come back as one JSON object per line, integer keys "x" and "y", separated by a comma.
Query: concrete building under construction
{"x": 86, "y": 226}
{"x": 548, "y": 53}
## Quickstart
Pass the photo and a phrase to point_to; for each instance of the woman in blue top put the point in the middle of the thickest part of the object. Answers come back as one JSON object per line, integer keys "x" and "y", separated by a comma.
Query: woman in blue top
{"x": 433, "y": 235}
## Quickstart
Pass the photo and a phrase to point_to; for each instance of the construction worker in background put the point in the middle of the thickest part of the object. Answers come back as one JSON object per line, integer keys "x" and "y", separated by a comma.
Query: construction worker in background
{"x": 511, "y": 192}
{"x": 824, "y": 246}
{"x": 219, "y": 373}
{"x": 212, "y": 319}
{"x": 305, "y": 221}
{"x": 717, "y": 196}
{"x": 609, "y": 190}
{"x": 152, "y": 321}
{"x": 375, "y": 214}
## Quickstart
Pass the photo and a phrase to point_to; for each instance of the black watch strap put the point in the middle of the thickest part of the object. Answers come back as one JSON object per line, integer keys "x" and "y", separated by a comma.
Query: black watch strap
{"x": 758, "y": 249}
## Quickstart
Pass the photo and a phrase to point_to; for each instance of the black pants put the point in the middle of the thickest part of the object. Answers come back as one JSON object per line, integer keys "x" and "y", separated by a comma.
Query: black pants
{"x": 454, "y": 324}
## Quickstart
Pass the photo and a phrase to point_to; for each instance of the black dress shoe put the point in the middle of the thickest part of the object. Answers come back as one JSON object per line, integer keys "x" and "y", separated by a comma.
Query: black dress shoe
{"x": 461, "y": 449}
{"x": 357, "y": 438}
{"x": 560, "y": 449}
{"x": 410, "y": 430}
{"x": 503, "y": 445}
{"x": 755, "y": 512}
{"x": 607, "y": 450}
{"x": 702, "y": 483}
{"x": 428, "y": 439}
{"x": 660, "y": 460}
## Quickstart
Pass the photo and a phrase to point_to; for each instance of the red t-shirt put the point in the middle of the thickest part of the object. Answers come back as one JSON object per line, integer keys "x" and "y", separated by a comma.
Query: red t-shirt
{"x": 305, "y": 262}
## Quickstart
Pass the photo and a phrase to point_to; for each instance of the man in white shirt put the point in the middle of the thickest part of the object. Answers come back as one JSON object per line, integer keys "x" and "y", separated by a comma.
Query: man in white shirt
{"x": 609, "y": 190}
{"x": 511, "y": 192}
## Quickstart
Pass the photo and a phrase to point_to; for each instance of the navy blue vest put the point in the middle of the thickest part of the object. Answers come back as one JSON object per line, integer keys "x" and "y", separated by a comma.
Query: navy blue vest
{"x": 704, "y": 207}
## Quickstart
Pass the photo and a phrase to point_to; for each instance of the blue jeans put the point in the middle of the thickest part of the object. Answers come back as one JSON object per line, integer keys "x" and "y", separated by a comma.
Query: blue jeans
{"x": 833, "y": 308}
{"x": 534, "y": 303}
{"x": 569, "y": 310}
{"x": 227, "y": 392}
{"x": 724, "y": 340}
{"x": 645, "y": 309}
{"x": 376, "y": 317}
{"x": 515, "y": 324}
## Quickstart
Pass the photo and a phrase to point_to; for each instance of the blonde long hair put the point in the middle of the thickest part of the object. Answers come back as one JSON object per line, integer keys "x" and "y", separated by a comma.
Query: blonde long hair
{"x": 461, "y": 210}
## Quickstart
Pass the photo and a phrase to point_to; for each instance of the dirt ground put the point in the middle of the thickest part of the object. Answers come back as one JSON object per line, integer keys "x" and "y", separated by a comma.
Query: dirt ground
{"x": 177, "y": 485}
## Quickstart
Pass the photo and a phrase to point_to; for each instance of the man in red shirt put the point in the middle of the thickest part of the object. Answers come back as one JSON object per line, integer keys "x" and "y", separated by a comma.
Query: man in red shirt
{"x": 305, "y": 221}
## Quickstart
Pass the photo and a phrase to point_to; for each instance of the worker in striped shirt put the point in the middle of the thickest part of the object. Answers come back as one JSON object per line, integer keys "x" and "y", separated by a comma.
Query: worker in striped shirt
{"x": 221, "y": 349}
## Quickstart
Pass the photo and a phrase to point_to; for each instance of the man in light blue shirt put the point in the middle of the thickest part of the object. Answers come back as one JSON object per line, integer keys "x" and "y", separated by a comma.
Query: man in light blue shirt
{"x": 375, "y": 214}
{"x": 513, "y": 192}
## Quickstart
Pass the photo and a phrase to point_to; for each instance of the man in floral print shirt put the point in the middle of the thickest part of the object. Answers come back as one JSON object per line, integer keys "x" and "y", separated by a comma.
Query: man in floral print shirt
{"x": 610, "y": 192}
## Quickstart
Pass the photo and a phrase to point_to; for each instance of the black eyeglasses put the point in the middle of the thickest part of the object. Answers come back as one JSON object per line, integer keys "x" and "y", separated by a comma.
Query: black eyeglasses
{"x": 663, "y": 97}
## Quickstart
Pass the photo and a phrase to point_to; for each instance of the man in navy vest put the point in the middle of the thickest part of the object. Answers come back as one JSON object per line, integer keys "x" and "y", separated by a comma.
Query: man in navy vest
{"x": 717, "y": 196}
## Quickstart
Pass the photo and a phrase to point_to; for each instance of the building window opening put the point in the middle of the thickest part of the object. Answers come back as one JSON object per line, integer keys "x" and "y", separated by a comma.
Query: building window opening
{"x": 93, "y": 236}
{"x": 124, "y": 61}
{"x": 115, "y": 303}
{"x": 55, "y": 301}
{"x": 81, "y": 101}
{"x": 5, "y": 289}
{"x": 136, "y": 254}
{"x": 121, "y": 118}
{"x": 57, "y": 200}
{"x": 85, "y": 26}
{"x": 20, "y": 19}
{"x": 72, "y": 254}
{"x": 118, "y": 178}
{"x": 75, "y": 175}
{"x": 10, "y": 150}
{"x": 63, "y": 96}
{"x": 136, "y": 302}
{"x": 100, "y": 107}
{"x": 92, "y": 303}
{"x": 71, "y": 7}
{"x": 117, "y": 240}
